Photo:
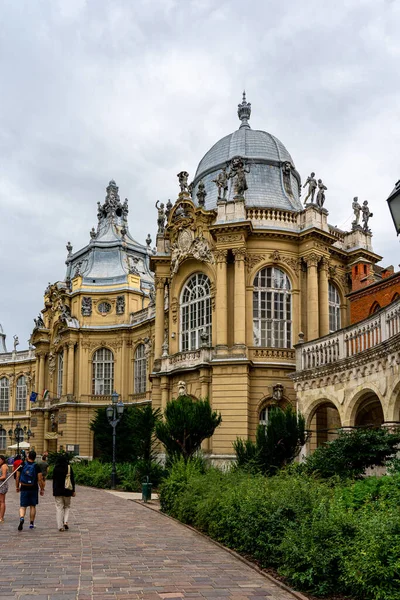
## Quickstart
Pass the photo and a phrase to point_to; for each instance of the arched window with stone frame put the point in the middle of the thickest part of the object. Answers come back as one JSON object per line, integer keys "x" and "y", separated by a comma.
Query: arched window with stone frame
{"x": 3, "y": 439}
{"x": 272, "y": 309}
{"x": 21, "y": 391}
{"x": 103, "y": 372}
{"x": 139, "y": 370}
{"x": 60, "y": 372}
{"x": 334, "y": 307}
{"x": 196, "y": 317}
{"x": 4, "y": 394}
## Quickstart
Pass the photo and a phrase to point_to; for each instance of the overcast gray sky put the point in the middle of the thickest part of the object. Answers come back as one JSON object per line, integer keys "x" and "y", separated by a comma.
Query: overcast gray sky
{"x": 139, "y": 90}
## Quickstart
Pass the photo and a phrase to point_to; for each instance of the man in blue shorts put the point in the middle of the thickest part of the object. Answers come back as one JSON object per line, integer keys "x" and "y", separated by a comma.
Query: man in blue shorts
{"x": 28, "y": 481}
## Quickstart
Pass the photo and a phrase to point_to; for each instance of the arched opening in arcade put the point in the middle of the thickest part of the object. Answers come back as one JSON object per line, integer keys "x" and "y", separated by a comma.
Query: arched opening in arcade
{"x": 369, "y": 411}
{"x": 323, "y": 426}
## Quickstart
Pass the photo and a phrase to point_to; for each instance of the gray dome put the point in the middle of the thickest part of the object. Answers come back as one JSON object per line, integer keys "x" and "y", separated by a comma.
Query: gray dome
{"x": 273, "y": 181}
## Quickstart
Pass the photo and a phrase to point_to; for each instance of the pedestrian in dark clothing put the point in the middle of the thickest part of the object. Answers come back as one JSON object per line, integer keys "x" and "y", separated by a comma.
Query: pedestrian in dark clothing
{"x": 28, "y": 481}
{"x": 62, "y": 495}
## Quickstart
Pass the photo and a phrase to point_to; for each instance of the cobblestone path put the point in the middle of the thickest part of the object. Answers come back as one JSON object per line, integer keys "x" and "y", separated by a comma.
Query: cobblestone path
{"x": 117, "y": 549}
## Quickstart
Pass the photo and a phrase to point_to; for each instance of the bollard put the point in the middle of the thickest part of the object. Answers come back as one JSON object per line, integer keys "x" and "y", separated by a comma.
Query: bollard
{"x": 146, "y": 490}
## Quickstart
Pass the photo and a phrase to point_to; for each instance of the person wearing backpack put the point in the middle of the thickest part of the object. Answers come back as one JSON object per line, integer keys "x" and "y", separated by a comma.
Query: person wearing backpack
{"x": 28, "y": 481}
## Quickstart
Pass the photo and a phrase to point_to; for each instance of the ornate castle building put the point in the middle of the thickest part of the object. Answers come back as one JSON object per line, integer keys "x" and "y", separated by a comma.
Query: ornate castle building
{"x": 242, "y": 266}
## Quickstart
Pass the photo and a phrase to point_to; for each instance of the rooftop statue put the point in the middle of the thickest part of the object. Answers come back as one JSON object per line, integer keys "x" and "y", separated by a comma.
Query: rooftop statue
{"x": 39, "y": 321}
{"x": 366, "y": 214}
{"x": 321, "y": 193}
{"x": 312, "y": 186}
{"x": 356, "y": 206}
{"x": 222, "y": 184}
{"x": 183, "y": 180}
{"x": 238, "y": 174}
{"x": 93, "y": 233}
{"x": 69, "y": 248}
{"x": 16, "y": 342}
{"x": 160, "y": 217}
{"x": 168, "y": 208}
{"x": 201, "y": 193}
{"x": 148, "y": 240}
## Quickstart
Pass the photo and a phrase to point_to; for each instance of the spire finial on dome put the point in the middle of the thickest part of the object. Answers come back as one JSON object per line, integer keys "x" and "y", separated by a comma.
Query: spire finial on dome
{"x": 244, "y": 111}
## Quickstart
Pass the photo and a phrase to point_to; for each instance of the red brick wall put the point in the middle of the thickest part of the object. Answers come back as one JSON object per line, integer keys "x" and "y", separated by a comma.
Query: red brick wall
{"x": 381, "y": 293}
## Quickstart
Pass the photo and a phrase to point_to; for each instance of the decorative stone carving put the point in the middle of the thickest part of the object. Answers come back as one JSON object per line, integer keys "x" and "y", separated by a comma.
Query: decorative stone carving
{"x": 238, "y": 172}
{"x": 253, "y": 259}
{"x": 239, "y": 253}
{"x": 230, "y": 237}
{"x": 160, "y": 282}
{"x": 201, "y": 193}
{"x": 152, "y": 296}
{"x": 132, "y": 265}
{"x": 16, "y": 342}
{"x": 204, "y": 339}
{"x": 160, "y": 217}
{"x": 356, "y": 206}
{"x": 69, "y": 248}
{"x": 324, "y": 264}
{"x": 275, "y": 256}
{"x": 332, "y": 271}
{"x": 120, "y": 306}
{"x": 168, "y": 209}
{"x": 93, "y": 233}
{"x": 287, "y": 183}
{"x": 277, "y": 392}
{"x": 183, "y": 180}
{"x": 222, "y": 184}
{"x": 321, "y": 193}
{"x": 77, "y": 271}
{"x": 366, "y": 214}
{"x": 293, "y": 263}
{"x": 186, "y": 247}
{"x": 312, "y": 259}
{"x": 147, "y": 346}
{"x": 39, "y": 322}
{"x": 51, "y": 363}
{"x": 174, "y": 309}
{"x": 220, "y": 256}
{"x": 181, "y": 388}
{"x": 86, "y": 307}
{"x": 148, "y": 241}
{"x": 65, "y": 313}
{"x": 165, "y": 345}
{"x": 312, "y": 186}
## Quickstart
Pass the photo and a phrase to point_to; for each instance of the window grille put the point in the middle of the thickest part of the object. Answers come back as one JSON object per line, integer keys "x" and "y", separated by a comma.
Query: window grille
{"x": 195, "y": 312}
{"x": 103, "y": 372}
{"x": 139, "y": 367}
{"x": 272, "y": 309}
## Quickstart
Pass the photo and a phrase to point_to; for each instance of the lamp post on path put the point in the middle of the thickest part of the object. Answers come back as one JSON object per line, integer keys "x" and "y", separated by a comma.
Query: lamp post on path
{"x": 114, "y": 413}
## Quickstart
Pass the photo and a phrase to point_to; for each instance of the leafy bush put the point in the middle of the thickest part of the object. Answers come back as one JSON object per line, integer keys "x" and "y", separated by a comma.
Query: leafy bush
{"x": 277, "y": 444}
{"x": 351, "y": 453}
{"x": 129, "y": 475}
{"x": 325, "y": 537}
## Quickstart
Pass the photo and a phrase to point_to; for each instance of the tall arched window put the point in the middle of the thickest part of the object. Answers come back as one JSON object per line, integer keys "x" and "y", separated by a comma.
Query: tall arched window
{"x": 3, "y": 439}
{"x": 272, "y": 309}
{"x": 195, "y": 312}
{"x": 139, "y": 367}
{"x": 334, "y": 308}
{"x": 4, "y": 394}
{"x": 21, "y": 393}
{"x": 60, "y": 370}
{"x": 103, "y": 372}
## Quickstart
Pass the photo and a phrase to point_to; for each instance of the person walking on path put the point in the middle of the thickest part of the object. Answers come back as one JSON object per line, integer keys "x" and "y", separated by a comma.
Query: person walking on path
{"x": 3, "y": 486}
{"x": 43, "y": 464}
{"x": 62, "y": 495}
{"x": 28, "y": 481}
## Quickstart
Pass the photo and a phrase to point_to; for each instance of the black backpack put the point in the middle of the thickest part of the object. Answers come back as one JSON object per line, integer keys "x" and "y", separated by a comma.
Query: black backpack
{"x": 28, "y": 475}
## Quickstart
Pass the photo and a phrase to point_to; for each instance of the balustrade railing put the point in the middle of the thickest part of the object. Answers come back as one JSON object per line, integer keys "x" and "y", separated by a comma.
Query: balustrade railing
{"x": 270, "y": 214}
{"x": 350, "y": 341}
{"x": 187, "y": 359}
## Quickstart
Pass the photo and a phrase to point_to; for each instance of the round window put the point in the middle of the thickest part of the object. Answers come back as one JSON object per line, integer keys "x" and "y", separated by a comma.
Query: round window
{"x": 104, "y": 308}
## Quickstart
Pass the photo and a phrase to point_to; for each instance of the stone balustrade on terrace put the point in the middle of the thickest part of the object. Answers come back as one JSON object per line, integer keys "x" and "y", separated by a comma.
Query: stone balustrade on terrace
{"x": 350, "y": 341}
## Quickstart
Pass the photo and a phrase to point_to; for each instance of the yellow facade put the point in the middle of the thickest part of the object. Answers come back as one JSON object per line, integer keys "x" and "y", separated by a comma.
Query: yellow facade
{"x": 225, "y": 247}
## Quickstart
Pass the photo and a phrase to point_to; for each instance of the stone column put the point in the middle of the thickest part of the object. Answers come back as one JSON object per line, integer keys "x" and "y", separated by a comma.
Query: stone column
{"x": 65, "y": 370}
{"x": 240, "y": 299}
{"x": 70, "y": 376}
{"x": 41, "y": 373}
{"x": 164, "y": 392}
{"x": 312, "y": 296}
{"x": 46, "y": 428}
{"x": 323, "y": 297}
{"x": 221, "y": 308}
{"x": 159, "y": 321}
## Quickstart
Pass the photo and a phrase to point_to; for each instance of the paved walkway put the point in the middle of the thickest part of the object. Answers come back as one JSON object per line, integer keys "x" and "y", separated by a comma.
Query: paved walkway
{"x": 118, "y": 549}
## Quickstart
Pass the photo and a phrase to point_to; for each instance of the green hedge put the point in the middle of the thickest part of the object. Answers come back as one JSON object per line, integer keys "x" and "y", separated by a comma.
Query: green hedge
{"x": 324, "y": 537}
{"x": 129, "y": 475}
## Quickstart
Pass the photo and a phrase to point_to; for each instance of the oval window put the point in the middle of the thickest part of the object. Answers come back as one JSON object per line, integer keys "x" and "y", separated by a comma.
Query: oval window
{"x": 104, "y": 308}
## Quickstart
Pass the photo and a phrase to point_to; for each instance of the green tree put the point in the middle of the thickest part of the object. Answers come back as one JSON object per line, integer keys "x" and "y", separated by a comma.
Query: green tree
{"x": 135, "y": 434}
{"x": 185, "y": 425}
{"x": 277, "y": 444}
{"x": 351, "y": 453}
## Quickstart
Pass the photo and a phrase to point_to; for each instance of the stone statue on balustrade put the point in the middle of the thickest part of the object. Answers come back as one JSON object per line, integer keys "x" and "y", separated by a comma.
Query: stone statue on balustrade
{"x": 312, "y": 186}
{"x": 238, "y": 174}
{"x": 201, "y": 193}
{"x": 356, "y": 206}
{"x": 160, "y": 217}
{"x": 183, "y": 180}
{"x": 321, "y": 193}
{"x": 366, "y": 215}
{"x": 222, "y": 184}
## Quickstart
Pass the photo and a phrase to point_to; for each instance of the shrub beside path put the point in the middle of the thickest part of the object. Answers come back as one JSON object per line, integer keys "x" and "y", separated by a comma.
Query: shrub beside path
{"x": 117, "y": 549}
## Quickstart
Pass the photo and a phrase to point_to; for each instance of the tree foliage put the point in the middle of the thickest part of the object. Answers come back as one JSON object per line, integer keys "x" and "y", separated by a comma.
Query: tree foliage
{"x": 185, "y": 425}
{"x": 277, "y": 444}
{"x": 135, "y": 434}
{"x": 351, "y": 453}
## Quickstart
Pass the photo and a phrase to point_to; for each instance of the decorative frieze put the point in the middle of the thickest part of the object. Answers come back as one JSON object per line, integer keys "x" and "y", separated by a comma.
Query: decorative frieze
{"x": 86, "y": 308}
{"x": 120, "y": 307}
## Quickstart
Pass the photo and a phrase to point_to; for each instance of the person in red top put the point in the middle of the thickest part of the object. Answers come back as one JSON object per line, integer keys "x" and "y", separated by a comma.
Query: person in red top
{"x": 17, "y": 463}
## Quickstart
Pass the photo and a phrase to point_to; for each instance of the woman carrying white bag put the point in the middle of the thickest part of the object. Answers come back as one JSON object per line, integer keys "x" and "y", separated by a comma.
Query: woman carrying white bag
{"x": 63, "y": 490}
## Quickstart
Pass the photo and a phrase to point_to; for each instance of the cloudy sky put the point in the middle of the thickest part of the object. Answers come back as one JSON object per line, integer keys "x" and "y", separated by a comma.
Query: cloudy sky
{"x": 139, "y": 90}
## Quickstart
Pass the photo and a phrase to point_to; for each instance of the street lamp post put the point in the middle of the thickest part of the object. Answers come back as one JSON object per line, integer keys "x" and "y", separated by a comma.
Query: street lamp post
{"x": 114, "y": 413}
{"x": 19, "y": 434}
{"x": 394, "y": 206}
